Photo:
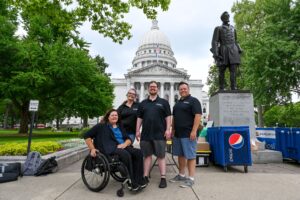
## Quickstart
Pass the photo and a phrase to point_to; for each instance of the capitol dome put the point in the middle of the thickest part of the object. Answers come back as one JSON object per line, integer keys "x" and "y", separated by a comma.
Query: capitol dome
{"x": 155, "y": 36}
{"x": 154, "y": 47}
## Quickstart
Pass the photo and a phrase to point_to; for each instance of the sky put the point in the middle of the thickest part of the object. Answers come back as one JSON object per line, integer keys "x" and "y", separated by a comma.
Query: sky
{"x": 189, "y": 26}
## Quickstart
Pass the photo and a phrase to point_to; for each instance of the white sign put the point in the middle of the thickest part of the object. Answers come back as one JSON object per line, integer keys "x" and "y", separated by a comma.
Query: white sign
{"x": 266, "y": 133}
{"x": 33, "y": 105}
{"x": 209, "y": 124}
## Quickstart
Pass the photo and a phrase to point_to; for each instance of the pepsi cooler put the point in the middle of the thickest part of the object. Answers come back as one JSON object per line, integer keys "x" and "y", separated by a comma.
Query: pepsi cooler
{"x": 230, "y": 146}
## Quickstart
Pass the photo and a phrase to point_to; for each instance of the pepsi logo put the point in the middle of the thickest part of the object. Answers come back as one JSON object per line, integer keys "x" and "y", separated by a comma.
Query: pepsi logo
{"x": 236, "y": 141}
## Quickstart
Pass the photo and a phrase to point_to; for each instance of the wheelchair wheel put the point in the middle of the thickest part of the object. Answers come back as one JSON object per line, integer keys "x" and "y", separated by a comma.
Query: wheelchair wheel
{"x": 96, "y": 177}
{"x": 120, "y": 173}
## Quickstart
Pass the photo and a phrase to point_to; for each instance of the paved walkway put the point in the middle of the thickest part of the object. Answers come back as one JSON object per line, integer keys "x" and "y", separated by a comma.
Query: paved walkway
{"x": 262, "y": 182}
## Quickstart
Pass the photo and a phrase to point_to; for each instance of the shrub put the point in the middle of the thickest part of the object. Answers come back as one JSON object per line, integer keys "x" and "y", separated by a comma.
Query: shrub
{"x": 83, "y": 131}
{"x": 20, "y": 149}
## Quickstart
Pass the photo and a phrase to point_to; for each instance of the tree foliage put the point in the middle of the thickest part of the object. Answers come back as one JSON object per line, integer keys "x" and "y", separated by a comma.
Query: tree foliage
{"x": 213, "y": 80}
{"x": 283, "y": 115}
{"x": 106, "y": 17}
{"x": 269, "y": 33}
{"x": 51, "y": 62}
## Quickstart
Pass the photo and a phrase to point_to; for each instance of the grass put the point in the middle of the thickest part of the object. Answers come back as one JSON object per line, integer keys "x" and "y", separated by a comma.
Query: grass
{"x": 38, "y": 135}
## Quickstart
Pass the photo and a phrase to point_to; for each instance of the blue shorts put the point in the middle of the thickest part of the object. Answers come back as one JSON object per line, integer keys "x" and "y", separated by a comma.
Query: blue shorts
{"x": 184, "y": 147}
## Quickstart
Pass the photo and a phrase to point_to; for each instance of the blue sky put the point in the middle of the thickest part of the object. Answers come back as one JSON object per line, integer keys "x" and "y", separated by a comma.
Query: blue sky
{"x": 188, "y": 24}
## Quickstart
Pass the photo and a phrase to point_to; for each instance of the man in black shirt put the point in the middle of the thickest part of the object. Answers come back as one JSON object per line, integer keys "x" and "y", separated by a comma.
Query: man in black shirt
{"x": 155, "y": 116}
{"x": 186, "y": 119}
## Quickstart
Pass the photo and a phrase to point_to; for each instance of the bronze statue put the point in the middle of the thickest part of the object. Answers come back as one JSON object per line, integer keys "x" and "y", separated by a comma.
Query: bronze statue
{"x": 226, "y": 51}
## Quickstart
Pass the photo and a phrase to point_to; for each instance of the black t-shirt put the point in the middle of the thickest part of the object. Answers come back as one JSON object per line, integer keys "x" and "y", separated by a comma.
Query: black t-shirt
{"x": 153, "y": 114}
{"x": 128, "y": 116}
{"x": 184, "y": 112}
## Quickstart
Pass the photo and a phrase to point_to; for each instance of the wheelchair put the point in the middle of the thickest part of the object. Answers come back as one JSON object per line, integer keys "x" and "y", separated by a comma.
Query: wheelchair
{"x": 95, "y": 172}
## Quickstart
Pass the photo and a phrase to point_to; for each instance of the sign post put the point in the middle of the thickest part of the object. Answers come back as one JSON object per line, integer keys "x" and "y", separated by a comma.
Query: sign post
{"x": 33, "y": 107}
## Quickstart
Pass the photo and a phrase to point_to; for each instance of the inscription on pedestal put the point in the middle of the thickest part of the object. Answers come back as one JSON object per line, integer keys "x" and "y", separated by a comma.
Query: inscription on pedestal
{"x": 235, "y": 109}
{"x": 232, "y": 109}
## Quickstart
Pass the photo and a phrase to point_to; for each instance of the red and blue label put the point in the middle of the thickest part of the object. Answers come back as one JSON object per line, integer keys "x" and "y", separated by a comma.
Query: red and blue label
{"x": 236, "y": 141}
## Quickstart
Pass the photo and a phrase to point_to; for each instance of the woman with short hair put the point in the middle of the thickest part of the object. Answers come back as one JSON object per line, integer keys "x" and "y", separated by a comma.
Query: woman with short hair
{"x": 128, "y": 113}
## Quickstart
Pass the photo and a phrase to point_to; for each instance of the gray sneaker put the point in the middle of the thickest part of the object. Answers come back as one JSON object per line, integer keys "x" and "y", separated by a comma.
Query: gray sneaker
{"x": 187, "y": 183}
{"x": 178, "y": 178}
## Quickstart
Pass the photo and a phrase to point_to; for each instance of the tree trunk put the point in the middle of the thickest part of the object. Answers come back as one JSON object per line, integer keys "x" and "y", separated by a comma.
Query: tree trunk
{"x": 85, "y": 122}
{"x": 24, "y": 118}
{"x": 6, "y": 116}
{"x": 12, "y": 120}
{"x": 57, "y": 123}
{"x": 260, "y": 115}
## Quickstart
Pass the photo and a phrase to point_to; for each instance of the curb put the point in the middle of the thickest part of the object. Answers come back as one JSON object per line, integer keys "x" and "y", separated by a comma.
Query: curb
{"x": 64, "y": 158}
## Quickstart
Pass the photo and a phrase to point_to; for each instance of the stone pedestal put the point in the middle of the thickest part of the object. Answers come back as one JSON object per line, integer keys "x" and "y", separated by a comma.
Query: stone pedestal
{"x": 266, "y": 156}
{"x": 233, "y": 108}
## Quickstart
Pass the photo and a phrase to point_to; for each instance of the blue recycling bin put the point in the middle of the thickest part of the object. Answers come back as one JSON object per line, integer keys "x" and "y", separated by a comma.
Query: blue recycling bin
{"x": 268, "y": 136}
{"x": 294, "y": 149}
{"x": 288, "y": 142}
{"x": 230, "y": 146}
{"x": 284, "y": 141}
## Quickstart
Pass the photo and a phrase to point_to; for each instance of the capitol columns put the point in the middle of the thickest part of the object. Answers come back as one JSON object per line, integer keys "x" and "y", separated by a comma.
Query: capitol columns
{"x": 172, "y": 95}
{"x": 142, "y": 91}
{"x": 162, "y": 89}
{"x": 128, "y": 83}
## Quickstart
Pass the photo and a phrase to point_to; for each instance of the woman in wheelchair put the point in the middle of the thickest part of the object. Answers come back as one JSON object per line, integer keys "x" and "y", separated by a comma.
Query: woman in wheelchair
{"x": 109, "y": 138}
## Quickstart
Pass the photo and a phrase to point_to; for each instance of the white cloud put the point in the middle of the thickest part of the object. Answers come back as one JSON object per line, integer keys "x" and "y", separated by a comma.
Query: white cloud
{"x": 197, "y": 67}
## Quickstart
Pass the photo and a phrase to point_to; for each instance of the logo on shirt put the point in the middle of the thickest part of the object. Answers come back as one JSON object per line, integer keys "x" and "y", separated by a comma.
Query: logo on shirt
{"x": 186, "y": 102}
{"x": 134, "y": 109}
{"x": 159, "y": 104}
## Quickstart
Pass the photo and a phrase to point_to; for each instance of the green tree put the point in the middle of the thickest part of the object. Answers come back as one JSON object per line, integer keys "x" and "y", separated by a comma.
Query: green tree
{"x": 268, "y": 31}
{"x": 101, "y": 64}
{"x": 283, "y": 115}
{"x": 273, "y": 116}
{"x": 213, "y": 80}
{"x": 8, "y": 27}
{"x": 106, "y": 17}
{"x": 51, "y": 64}
{"x": 8, "y": 48}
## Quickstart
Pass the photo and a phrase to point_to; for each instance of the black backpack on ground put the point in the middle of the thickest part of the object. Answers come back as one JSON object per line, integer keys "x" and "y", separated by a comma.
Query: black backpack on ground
{"x": 9, "y": 172}
{"x": 48, "y": 166}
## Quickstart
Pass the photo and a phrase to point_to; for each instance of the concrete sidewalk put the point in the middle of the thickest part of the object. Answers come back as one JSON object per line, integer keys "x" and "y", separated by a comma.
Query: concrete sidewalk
{"x": 262, "y": 182}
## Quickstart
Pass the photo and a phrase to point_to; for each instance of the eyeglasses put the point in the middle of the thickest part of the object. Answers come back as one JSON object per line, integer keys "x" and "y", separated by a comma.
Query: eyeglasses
{"x": 129, "y": 93}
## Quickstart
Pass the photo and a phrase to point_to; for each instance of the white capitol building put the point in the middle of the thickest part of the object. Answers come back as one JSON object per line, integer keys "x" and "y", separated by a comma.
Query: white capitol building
{"x": 154, "y": 60}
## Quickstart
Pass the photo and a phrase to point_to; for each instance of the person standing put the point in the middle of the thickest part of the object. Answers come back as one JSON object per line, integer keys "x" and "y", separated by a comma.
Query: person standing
{"x": 128, "y": 113}
{"x": 154, "y": 115}
{"x": 186, "y": 119}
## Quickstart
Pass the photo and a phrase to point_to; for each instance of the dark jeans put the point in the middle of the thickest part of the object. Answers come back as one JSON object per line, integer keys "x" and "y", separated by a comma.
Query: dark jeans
{"x": 133, "y": 159}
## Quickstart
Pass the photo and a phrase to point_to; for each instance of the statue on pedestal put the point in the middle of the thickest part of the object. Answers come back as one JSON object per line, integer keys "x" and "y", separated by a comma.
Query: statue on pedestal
{"x": 226, "y": 51}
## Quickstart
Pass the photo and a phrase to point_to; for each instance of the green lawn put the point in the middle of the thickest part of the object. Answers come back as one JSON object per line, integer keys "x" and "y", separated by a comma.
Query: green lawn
{"x": 38, "y": 135}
